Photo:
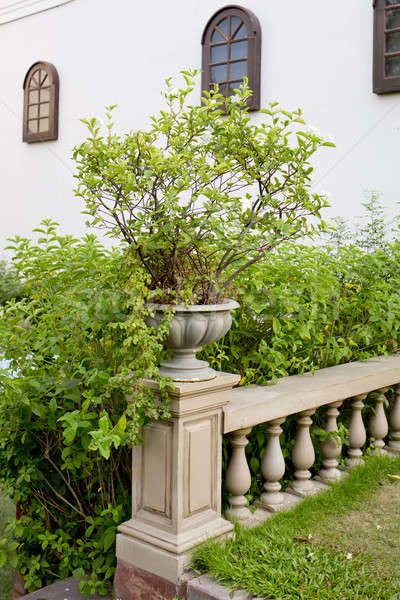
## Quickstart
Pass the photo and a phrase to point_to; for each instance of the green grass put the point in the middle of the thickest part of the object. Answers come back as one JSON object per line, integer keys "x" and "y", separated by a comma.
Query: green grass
{"x": 6, "y": 510}
{"x": 342, "y": 544}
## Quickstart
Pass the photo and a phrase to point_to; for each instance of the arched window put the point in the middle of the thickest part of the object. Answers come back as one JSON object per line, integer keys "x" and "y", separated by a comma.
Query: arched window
{"x": 386, "y": 46}
{"x": 232, "y": 50}
{"x": 41, "y": 103}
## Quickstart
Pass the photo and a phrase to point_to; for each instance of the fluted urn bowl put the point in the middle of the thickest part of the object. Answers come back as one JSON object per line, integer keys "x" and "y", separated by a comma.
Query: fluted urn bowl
{"x": 191, "y": 328}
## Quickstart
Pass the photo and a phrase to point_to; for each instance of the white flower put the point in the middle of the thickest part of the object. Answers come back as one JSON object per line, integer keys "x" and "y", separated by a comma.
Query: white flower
{"x": 310, "y": 554}
{"x": 313, "y": 130}
{"x": 309, "y": 536}
{"x": 379, "y": 526}
{"x": 206, "y": 137}
{"x": 349, "y": 556}
{"x": 325, "y": 194}
{"x": 235, "y": 98}
{"x": 100, "y": 123}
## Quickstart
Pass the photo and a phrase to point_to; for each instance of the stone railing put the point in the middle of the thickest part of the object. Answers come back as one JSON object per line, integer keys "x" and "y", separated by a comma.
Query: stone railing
{"x": 177, "y": 469}
{"x": 302, "y": 395}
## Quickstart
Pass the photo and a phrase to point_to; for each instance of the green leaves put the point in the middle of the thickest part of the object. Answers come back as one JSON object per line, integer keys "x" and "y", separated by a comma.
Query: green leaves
{"x": 205, "y": 192}
{"x": 107, "y": 436}
{"x": 78, "y": 345}
{"x": 310, "y": 308}
{"x": 109, "y": 538}
{"x": 276, "y": 325}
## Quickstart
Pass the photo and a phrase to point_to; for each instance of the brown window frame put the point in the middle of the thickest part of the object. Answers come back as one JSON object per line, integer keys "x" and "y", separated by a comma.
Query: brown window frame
{"x": 382, "y": 83}
{"x": 253, "y": 50}
{"x": 52, "y": 84}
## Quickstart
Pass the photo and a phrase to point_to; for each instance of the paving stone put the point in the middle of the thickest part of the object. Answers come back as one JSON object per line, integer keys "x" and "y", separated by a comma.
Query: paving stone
{"x": 205, "y": 588}
{"x": 67, "y": 589}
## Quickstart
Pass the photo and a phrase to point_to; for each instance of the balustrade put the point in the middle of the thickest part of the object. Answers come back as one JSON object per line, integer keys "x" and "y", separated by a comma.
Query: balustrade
{"x": 394, "y": 445}
{"x": 358, "y": 434}
{"x": 238, "y": 477}
{"x": 273, "y": 467}
{"x": 276, "y": 409}
{"x": 331, "y": 447}
{"x": 378, "y": 424}
{"x": 303, "y": 457}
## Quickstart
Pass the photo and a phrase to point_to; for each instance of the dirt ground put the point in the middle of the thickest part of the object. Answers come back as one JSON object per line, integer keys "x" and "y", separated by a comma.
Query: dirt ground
{"x": 374, "y": 530}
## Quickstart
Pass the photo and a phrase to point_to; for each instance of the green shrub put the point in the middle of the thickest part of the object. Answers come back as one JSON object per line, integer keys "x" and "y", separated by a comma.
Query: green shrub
{"x": 77, "y": 344}
{"x": 204, "y": 192}
{"x": 10, "y": 286}
{"x": 310, "y": 308}
{"x": 307, "y": 309}
{"x": 79, "y": 333}
{"x": 64, "y": 419}
{"x": 6, "y": 511}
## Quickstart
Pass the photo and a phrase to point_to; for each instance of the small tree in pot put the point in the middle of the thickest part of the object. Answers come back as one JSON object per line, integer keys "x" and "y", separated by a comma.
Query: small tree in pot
{"x": 200, "y": 196}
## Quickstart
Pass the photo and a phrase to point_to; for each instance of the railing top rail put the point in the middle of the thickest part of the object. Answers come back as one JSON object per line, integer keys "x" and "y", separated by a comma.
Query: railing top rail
{"x": 256, "y": 404}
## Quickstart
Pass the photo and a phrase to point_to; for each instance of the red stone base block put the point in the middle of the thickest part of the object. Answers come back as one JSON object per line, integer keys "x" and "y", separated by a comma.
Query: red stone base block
{"x": 17, "y": 585}
{"x": 134, "y": 584}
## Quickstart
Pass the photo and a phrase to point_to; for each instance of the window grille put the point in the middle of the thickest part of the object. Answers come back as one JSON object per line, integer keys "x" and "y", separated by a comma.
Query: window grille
{"x": 232, "y": 50}
{"x": 41, "y": 87}
{"x": 386, "y": 71}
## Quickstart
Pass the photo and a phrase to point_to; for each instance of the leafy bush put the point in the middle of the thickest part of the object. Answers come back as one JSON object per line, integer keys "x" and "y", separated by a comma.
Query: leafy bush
{"x": 77, "y": 344}
{"x": 6, "y": 511}
{"x": 77, "y": 336}
{"x": 370, "y": 231}
{"x": 205, "y": 192}
{"x": 10, "y": 287}
{"x": 310, "y": 308}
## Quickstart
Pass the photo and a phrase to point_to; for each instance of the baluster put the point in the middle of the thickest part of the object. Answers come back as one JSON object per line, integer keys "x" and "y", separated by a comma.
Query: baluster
{"x": 238, "y": 476}
{"x": 303, "y": 457}
{"x": 378, "y": 424}
{"x": 394, "y": 445}
{"x": 358, "y": 434}
{"x": 273, "y": 468}
{"x": 331, "y": 448}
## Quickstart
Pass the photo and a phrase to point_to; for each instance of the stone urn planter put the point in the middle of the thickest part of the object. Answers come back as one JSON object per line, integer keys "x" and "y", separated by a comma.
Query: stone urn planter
{"x": 191, "y": 328}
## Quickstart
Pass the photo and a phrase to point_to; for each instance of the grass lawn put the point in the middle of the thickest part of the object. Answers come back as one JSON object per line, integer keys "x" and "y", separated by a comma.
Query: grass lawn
{"x": 342, "y": 544}
{"x": 6, "y": 511}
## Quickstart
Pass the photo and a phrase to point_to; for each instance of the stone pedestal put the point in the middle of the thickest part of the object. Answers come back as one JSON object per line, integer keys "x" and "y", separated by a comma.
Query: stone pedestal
{"x": 176, "y": 491}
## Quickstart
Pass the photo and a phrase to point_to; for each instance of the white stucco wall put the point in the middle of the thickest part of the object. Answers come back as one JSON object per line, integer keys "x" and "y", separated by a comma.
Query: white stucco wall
{"x": 316, "y": 54}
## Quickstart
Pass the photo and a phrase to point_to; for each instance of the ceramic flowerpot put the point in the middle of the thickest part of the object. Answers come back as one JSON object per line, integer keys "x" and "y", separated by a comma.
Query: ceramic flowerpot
{"x": 191, "y": 328}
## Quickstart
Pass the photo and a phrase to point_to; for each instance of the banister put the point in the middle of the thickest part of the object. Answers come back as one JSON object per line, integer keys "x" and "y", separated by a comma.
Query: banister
{"x": 256, "y": 404}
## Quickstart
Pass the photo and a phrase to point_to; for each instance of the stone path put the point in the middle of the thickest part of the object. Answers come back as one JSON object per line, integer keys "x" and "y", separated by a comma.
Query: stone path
{"x": 68, "y": 589}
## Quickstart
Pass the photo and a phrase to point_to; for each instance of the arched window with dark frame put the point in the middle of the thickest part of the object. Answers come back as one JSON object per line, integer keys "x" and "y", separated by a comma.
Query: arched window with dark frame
{"x": 386, "y": 46}
{"x": 232, "y": 50}
{"x": 41, "y": 85}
